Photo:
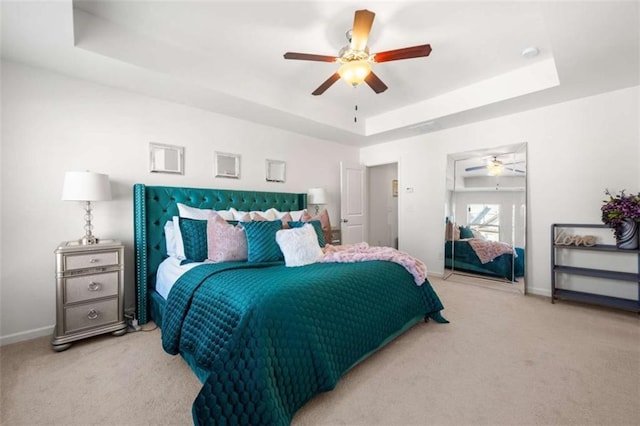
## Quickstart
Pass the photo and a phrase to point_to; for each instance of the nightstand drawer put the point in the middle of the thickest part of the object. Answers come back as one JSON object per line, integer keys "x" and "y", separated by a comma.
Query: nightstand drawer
{"x": 90, "y": 260}
{"x": 90, "y": 315}
{"x": 88, "y": 287}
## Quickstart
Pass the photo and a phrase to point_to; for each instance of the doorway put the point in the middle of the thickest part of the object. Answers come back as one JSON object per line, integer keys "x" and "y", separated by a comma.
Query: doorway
{"x": 382, "y": 191}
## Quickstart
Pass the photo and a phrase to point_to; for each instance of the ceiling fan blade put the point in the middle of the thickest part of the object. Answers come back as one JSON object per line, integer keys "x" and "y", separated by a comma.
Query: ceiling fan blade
{"x": 328, "y": 83}
{"x": 309, "y": 57}
{"x": 375, "y": 83}
{"x": 404, "y": 53}
{"x": 362, "y": 23}
{"x": 515, "y": 170}
{"x": 470, "y": 169}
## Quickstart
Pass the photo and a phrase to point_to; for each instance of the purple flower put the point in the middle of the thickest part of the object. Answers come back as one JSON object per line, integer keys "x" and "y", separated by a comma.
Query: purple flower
{"x": 618, "y": 208}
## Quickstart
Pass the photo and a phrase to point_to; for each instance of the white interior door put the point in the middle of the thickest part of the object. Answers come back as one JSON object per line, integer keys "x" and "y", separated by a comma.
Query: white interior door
{"x": 353, "y": 203}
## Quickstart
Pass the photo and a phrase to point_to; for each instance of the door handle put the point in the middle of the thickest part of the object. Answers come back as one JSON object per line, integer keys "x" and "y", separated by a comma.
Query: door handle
{"x": 345, "y": 220}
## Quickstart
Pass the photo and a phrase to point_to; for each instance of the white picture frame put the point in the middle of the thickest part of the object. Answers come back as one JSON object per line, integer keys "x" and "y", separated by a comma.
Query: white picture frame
{"x": 275, "y": 171}
{"x": 165, "y": 158}
{"x": 226, "y": 165}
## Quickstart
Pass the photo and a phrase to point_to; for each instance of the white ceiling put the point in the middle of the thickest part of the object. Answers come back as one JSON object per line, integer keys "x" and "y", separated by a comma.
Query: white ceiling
{"x": 226, "y": 56}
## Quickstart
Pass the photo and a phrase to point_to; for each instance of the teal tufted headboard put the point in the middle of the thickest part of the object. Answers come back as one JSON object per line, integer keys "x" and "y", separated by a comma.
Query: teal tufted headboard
{"x": 153, "y": 206}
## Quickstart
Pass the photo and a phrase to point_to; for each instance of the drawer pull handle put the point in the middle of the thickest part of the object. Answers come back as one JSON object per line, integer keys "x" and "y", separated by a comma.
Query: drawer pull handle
{"x": 93, "y": 286}
{"x": 93, "y": 314}
{"x": 93, "y": 260}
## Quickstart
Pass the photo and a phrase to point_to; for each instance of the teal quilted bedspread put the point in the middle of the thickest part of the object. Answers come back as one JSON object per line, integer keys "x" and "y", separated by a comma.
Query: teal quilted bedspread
{"x": 272, "y": 337}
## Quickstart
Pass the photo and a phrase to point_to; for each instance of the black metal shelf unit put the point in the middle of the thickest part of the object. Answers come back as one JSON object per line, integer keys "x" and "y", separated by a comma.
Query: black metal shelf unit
{"x": 585, "y": 297}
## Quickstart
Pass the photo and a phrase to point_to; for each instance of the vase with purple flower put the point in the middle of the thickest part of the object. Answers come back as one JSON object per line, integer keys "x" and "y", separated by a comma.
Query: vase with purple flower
{"x": 621, "y": 212}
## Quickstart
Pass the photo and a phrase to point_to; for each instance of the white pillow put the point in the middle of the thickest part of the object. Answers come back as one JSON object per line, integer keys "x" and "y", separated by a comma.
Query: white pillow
{"x": 178, "y": 238}
{"x": 225, "y": 214}
{"x": 299, "y": 245}
{"x": 170, "y": 237}
{"x": 268, "y": 214}
{"x": 296, "y": 214}
{"x": 202, "y": 214}
{"x": 194, "y": 212}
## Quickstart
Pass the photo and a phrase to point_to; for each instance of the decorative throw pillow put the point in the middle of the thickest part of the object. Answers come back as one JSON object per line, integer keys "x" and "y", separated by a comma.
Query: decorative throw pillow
{"x": 465, "y": 232}
{"x": 299, "y": 246}
{"x": 448, "y": 231}
{"x": 225, "y": 242}
{"x": 317, "y": 227}
{"x": 323, "y": 217}
{"x": 194, "y": 239}
{"x": 477, "y": 234}
{"x": 261, "y": 241}
{"x": 285, "y": 219}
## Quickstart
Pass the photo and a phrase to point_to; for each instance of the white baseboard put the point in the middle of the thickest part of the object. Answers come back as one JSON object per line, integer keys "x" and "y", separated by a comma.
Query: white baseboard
{"x": 530, "y": 290}
{"x": 26, "y": 335}
{"x": 539, "y": 291}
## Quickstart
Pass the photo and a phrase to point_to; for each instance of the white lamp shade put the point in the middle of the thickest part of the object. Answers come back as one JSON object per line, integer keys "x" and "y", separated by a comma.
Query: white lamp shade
{"x": 86, "y": 186}
{"x": 317, "y": 196}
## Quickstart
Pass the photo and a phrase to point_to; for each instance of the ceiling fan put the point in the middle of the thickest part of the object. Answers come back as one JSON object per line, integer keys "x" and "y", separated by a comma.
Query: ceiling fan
{"x": 355, "y": 58}
{"x": 495, "y": 167}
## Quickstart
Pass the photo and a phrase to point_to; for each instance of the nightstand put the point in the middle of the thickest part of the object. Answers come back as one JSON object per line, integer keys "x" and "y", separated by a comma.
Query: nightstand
{"x": 89, "y": 291}
{"x": 336, "y": 236}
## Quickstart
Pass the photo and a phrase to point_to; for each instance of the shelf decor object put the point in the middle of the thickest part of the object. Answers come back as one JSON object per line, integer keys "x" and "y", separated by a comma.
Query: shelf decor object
{"x": 558, "y": 293}
{"x": 87, "y": 187}
{"x": 627, "y": 238}
{"x": 621, "y": 212}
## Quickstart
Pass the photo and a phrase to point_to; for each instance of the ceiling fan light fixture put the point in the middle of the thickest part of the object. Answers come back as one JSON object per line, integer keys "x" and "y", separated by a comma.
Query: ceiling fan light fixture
{"x": 495, "y": 169}
{"x": 354, "y": 72}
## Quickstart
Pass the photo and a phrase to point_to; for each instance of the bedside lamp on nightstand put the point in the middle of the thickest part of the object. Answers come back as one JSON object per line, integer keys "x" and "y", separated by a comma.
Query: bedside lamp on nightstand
{"x": 317, "y": 197}
{"x": 87, "y": 187}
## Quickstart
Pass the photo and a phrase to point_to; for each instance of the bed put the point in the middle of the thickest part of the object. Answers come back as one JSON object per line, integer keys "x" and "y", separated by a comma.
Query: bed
{"x": 264, "y": 338}
{"x": 460, "y": 255}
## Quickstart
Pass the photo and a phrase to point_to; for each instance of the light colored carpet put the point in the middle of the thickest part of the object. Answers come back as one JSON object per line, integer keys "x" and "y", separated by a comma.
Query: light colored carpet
{"x": 504, "y": 359}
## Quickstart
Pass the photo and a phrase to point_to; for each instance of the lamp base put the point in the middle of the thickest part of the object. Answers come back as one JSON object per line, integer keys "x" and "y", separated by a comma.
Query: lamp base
{"x": 88, "y": 240}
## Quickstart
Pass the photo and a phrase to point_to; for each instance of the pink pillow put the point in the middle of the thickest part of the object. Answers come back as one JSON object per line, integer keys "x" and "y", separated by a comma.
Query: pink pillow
{"x": 323, "y": 217}
{"x": 286, "y": 218}
{"x": 226, "y": 243}
{"x": 257, "y": 217}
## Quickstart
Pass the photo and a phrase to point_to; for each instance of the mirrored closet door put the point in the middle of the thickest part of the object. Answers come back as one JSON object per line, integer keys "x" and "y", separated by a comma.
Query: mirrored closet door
{"x": 485, "y": 217}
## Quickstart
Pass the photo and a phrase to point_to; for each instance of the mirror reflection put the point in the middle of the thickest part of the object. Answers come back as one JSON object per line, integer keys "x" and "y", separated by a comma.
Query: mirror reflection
{"x": 275, "y": 171}
{"x": 227, "y": 165}
{"x": 166, "y": 158}
{"x": 485, "y": 215}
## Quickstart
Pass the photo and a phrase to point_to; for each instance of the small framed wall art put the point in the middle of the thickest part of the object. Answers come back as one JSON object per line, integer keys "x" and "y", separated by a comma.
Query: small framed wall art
{"x": 226, "y": 165}
{"x": 166, "y": 158}
{"x": 276, "y": 171}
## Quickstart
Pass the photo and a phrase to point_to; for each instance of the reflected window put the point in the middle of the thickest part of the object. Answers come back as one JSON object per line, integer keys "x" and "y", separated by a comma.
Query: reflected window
{"x": 485, "y": 219}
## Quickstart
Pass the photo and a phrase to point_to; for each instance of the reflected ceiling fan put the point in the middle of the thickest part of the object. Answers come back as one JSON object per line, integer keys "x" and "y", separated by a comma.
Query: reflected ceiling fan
{"x": 496, "y": 167}
{"x": 355, "y": 58}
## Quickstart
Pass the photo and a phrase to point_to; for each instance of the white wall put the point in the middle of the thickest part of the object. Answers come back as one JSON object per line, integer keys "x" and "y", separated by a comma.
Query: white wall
{"x": 575, "y": 150}
{"x": 52, "y": 124}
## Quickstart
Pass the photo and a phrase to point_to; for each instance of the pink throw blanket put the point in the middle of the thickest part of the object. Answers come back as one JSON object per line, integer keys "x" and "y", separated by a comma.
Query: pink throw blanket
{"x": 489, "y": 250}
{"x": 361, "y": 252}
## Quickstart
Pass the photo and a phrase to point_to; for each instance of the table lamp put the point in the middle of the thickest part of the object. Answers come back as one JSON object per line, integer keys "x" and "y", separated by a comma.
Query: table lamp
{"x": 87, "y": 187}
{"x": 317, "y": 196}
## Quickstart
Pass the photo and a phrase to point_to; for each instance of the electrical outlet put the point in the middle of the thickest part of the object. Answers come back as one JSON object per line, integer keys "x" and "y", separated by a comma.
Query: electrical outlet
{"x": 133, "y": 325}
